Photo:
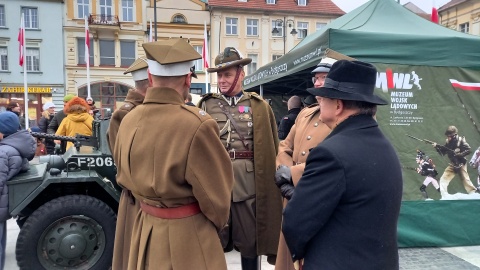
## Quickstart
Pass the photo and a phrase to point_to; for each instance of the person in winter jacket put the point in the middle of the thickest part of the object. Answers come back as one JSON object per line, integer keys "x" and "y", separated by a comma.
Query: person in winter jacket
{"x": 57, "y": 120}
{"x": 47, "y": 116}
{"x": 16, "y": 149}
{"x": 77, "y": 121}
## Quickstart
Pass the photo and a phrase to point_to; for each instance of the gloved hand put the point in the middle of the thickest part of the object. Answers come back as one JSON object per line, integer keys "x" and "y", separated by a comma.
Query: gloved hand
{"x": 287, "y": 191}
{"x": 283, "y": 176}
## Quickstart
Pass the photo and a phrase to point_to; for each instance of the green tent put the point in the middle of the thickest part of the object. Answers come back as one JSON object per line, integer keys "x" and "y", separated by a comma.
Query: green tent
{"x": 431, "y": 77}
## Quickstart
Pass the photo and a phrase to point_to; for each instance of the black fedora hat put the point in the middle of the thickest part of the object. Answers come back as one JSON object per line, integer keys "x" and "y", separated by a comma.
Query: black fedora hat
{"x": 350, "y": 80}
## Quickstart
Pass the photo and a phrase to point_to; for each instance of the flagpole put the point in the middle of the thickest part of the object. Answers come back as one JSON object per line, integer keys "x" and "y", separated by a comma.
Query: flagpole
{"x": 205, "y": 56}
{"x": 25, "y": 86}
{"x": 87, "y": 54}
{"x": 150, "y": 37}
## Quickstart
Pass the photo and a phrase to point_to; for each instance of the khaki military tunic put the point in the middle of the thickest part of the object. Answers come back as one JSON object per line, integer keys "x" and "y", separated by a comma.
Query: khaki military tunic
{"x": 255, "y": 196}
{"x": 127, "y": 206}
{"x": 307, "y": 133}
{"x": 169, "y": 155}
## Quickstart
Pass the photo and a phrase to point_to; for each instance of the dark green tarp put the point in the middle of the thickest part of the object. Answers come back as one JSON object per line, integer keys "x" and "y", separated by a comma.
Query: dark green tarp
{"x": 434, "y": 76}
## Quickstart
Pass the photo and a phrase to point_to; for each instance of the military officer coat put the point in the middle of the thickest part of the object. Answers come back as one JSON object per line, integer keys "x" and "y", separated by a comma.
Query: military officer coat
{"x": 254, "y": 115}
{"x": 169, "y": 155}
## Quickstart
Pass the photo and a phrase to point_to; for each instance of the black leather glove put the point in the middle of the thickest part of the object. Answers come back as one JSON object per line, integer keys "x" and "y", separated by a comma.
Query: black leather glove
{"x": 283, "y": 176}
{"x": 287, "y": 191}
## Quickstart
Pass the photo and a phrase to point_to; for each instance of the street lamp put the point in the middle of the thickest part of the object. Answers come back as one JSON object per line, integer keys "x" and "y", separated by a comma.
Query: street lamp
{"x": 285, "y": 21}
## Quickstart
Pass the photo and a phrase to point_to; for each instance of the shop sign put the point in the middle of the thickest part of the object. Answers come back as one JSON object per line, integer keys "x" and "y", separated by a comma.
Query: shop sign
{"x": 20, "y": 89}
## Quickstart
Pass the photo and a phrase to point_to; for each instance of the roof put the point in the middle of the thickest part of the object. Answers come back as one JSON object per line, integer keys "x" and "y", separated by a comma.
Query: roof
{"x": 413, "y": 8}
{"x": 312, "y": 7}
{"x": 451, "y": 4}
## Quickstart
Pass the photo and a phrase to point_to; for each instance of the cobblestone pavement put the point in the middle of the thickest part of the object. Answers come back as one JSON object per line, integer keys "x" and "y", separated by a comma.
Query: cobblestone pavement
{"x": 431, "y": 258}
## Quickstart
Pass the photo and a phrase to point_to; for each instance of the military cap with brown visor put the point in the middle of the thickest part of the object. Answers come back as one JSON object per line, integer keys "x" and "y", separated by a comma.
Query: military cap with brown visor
{"x": 172, "y": 57}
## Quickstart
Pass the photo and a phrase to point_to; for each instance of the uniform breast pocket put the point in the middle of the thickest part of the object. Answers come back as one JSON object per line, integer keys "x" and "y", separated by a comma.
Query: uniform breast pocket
{"x": 222, "y": 123}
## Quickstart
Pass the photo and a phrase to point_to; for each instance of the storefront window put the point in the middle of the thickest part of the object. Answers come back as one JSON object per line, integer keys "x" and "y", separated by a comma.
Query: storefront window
{"x": 106, "y": 94}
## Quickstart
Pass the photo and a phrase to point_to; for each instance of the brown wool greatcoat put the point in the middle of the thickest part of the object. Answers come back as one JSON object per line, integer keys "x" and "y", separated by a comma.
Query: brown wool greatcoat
{"x": 268, "y": 198}
{"x": 165, "y": 152}
{"x": 307, "y": 133}
{"x": 127, "y": 206}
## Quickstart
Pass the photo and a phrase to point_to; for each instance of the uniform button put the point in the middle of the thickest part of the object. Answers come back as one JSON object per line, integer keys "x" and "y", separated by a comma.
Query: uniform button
{"x": 309, "y": 137}
{"x": 303, "y": 153}
{"x": 316, "y": 125}
{"x": 232, "y": 140}
{"x": 233, "y": 114}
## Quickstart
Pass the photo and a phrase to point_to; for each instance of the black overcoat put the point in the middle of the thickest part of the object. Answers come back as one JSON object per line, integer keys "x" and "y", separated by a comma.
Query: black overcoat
{"x": 344, "y": 211}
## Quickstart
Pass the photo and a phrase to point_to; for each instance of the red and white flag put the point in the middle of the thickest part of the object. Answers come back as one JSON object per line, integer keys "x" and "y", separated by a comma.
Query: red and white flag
{"x": 21, "y": 40}
{"x": 434, "y": 16}
{"x": 205, "y": 47}
{"x": 87, "y": 43}
{"x": 468, "y": 86}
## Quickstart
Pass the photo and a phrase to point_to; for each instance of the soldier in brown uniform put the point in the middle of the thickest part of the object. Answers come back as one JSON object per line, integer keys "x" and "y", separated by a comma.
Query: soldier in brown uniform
{"x": 307, "y": 132}
{"x": 249, "y": 133}
{"x": 127, "y": 207}
{"x": 165, "y": 151}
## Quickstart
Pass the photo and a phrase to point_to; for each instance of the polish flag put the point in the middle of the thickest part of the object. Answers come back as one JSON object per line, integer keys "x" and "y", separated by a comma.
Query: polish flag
{"x": 205, "y": 46}
{"x": 465, "y": 85}
{"x": 21, "y": 40}
{"x": 434, "y": 17}
{"x": 87, "y": 43}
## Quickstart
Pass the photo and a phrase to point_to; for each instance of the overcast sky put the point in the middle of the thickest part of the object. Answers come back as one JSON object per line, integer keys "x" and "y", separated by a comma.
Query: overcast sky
{"x": 426, "y": 5}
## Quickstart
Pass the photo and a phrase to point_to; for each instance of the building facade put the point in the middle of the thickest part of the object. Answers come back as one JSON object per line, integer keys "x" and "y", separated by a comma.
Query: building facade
{"x": 265, "y": 30}
{"x": 43, "y": 59}
{"x": 461, "y": 15}
{"x": 116, "y": 33}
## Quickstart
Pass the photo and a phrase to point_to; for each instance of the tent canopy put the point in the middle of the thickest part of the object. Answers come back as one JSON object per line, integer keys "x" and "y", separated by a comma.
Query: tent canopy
{"x": 379, "y": 31}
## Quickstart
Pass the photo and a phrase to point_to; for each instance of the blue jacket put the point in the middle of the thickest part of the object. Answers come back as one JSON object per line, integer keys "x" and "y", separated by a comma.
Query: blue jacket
{"x": 344, "y": 210}
{"x": 15, "y": 152}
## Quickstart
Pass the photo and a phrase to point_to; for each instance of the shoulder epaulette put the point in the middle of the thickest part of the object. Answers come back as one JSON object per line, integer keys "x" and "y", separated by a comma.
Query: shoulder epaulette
{"x": 201, "y": 114}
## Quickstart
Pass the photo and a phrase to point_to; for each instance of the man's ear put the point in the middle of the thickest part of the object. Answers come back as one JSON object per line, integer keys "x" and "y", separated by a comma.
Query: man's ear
{"x": 339, "y": 106}
{"x": 149, "y": 77}
{"x": 188, "y": 79}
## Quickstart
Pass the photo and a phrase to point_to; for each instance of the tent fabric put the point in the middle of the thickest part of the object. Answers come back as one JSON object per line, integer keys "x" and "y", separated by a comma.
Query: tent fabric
{"x": 379, "y": 31}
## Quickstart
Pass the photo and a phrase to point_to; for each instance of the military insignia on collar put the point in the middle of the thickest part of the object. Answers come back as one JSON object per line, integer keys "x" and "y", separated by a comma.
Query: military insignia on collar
{"x": 202, "y": 112}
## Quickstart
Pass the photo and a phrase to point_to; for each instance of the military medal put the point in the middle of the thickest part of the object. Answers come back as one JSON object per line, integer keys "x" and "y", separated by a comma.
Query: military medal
{"x": 250, "y": 124}
{"x": 246, "y": 116}
{"x": 241, "y": 109}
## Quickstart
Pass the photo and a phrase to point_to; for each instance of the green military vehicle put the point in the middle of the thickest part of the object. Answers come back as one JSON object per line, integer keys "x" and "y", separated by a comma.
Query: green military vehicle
{"x": 66, "y": 206}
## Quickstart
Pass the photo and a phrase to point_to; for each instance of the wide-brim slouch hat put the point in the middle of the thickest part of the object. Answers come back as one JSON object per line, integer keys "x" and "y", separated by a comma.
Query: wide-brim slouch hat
{"x": 350, "y": 80}
{"x": 230, "y": 57}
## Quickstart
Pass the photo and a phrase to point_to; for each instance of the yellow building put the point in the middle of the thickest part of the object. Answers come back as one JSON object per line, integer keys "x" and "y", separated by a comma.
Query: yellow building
{"x": 117, "y": 31}
{"x": 461, "y": 15}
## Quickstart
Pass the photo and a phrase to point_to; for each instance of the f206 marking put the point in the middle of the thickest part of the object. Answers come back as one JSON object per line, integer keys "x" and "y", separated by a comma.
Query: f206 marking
{"x": 95, "y": 162}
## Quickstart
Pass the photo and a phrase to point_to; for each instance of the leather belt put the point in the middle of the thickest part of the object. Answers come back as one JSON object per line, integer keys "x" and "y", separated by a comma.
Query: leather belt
{"x": 171, "y": 213}
{"x": 241, "y": 154}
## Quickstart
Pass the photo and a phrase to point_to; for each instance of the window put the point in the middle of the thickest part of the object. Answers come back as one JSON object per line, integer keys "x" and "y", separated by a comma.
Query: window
{"x": 196, "y": 91}
{"x": 464, "y": 28}
{"x": 127, "y": 52}
{"x": 198, "y": 62}
{"x": 2, "y": 16}
{"x": 252, "y": 27}
{"x": 32, "y": 57}
{"x": 232, "y": 24}
{"x": 3, "y": 59}
{"x": 276, "y": 56}
{"x": 31, "y": 17}
{"x": 179, "y": 19}
{"x": 81, "y": 51}
{"x": 320, "y": 25}
{"x": 302, "y": 29}
{"x": 127, "y": 10}
{"x": 302, "y": 2}
{"x": 106, "y": 10}
{"x": 106, "y": 94}
{"x": 107, "y": 52}
{"x": 83, "y": 8}
{"x": 279, "y": 26}
{"x": 252, "y": 67}
{"x": 271, "y": 2}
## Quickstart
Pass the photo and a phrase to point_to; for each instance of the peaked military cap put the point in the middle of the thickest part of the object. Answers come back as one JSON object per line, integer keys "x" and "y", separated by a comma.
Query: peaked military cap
{"x": 172, "y": 57}
{"x": 138, "y": 69}
{"x": 230, "y": 57}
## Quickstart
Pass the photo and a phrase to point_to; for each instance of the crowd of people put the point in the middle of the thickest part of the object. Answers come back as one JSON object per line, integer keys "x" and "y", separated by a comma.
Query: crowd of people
{"x": 222, "y": 184}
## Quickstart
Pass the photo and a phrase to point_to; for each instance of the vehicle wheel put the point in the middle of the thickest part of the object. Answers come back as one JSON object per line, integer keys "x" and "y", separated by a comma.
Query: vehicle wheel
{"x": 70, "y": 232}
